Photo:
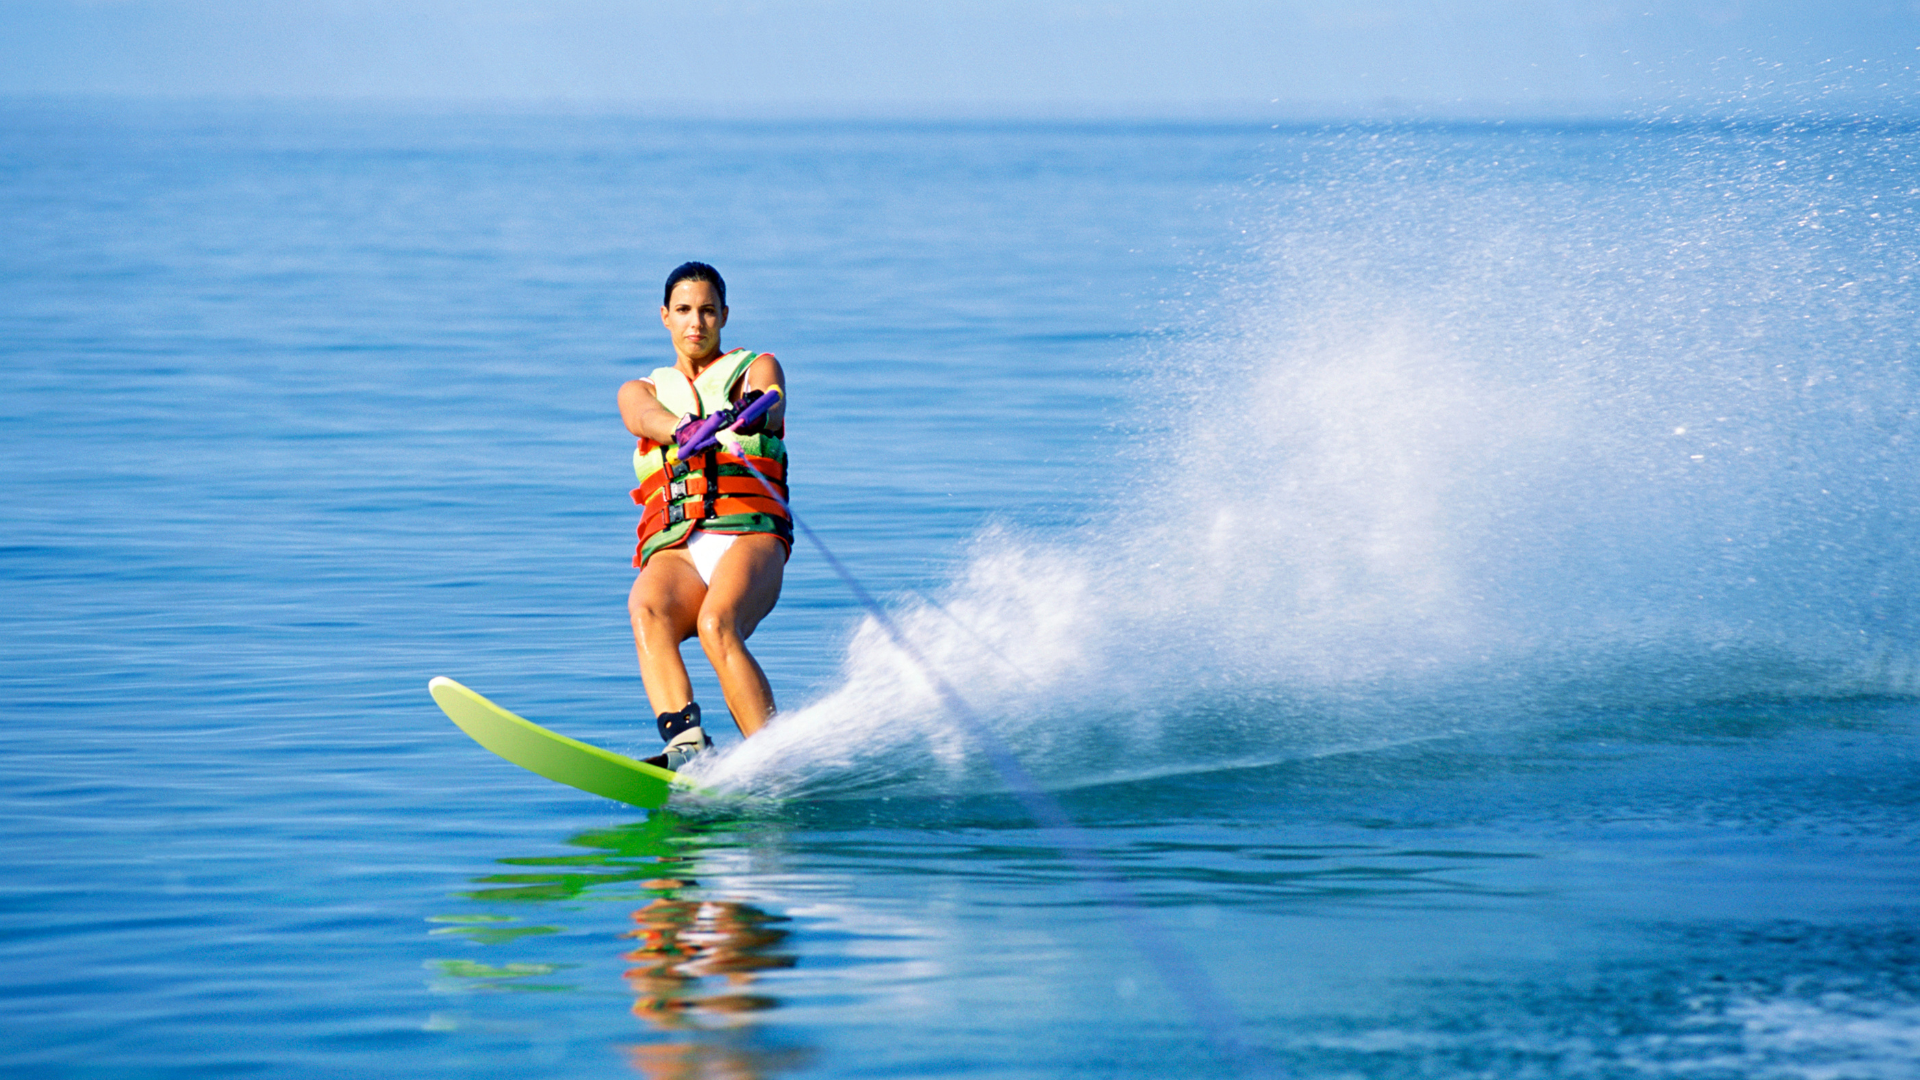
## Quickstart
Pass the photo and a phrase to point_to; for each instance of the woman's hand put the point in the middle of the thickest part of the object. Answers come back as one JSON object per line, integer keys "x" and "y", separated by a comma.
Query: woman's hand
{"x": 684, "y": 430}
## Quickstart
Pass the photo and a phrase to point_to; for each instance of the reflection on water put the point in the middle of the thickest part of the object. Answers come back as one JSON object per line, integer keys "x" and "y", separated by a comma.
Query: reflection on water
{"x": 694, "y": 963}
{"x": 487, "y": 929}
{"x": 650, "y": 853}
{"x": 504, "y": 978}
{"x": 707, "y": 1061}
{"x": 686, "y": 945}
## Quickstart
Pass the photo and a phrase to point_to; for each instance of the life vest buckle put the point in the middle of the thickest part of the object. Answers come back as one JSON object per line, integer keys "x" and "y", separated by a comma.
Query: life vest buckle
{"x": 677, "y": 490}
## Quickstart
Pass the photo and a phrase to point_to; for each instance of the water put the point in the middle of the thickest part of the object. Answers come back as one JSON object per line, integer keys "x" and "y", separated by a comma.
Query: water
{"x": 1459, "y": 580}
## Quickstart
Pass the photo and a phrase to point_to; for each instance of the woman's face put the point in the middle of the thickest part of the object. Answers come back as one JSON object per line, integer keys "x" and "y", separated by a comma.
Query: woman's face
{"x": 694, "y": 315}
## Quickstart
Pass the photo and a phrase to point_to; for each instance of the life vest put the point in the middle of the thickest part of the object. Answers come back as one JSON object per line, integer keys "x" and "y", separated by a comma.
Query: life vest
{"x": 715, "y": 491}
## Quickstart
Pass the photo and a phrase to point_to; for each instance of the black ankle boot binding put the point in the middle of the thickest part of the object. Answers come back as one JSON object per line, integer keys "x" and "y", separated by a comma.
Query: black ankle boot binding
{"x": 673, "y": 723}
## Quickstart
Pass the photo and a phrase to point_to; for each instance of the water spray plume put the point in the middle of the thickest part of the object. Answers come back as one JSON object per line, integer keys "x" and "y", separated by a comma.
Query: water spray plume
{"x": 1519, "y": 430}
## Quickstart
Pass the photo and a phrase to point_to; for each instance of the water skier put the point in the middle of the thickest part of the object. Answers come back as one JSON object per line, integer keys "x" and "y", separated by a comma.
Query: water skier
{"x": 713, "y": 543}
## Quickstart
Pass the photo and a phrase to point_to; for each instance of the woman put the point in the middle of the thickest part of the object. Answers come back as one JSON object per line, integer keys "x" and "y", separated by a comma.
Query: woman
{"x": 713, "y": 540}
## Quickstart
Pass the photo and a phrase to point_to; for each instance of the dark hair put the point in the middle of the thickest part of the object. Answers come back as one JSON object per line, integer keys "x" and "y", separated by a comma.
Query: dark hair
{"x": 694, "y": 271}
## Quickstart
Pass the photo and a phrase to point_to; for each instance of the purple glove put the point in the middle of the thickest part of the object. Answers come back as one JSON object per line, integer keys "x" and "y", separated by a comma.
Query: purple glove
{"x": 748, "y": 417}
{"x": 695, "y": 433}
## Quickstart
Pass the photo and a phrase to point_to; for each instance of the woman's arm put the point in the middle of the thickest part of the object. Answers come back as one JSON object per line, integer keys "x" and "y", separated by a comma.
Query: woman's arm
{"x": 765, "y": 372}
{"x": 643, "y": 413}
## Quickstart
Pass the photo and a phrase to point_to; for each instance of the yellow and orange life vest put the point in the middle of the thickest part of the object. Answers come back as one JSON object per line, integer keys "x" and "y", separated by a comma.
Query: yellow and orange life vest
{"x": 715, "y": 491}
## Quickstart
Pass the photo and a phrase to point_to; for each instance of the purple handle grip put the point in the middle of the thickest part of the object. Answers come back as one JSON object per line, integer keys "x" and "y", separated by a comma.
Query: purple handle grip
{"x": 759, "y": 407}
{"x": 706, "y": 432}
{"x": 697, "y": 439}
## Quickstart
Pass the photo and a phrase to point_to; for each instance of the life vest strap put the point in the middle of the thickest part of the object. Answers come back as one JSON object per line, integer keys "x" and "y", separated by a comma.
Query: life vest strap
{"x": 771, "y": 468}
{"x": 712, "y": 495}
{"x": 696, "y": 487}
{"x": 666, "y": 515}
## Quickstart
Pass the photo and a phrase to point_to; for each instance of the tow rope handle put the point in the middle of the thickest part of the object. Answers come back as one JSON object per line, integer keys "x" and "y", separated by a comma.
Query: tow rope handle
{"x": 707, "y": 432}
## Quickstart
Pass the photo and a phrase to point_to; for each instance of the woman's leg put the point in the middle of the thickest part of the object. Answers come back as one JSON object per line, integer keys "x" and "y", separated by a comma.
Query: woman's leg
{"x": 744, "y": 588}
{"x": 663, "y": 606}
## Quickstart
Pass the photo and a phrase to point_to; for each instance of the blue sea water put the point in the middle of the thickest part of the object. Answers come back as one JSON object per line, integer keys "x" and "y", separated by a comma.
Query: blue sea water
{"x": 1458, "y": 580}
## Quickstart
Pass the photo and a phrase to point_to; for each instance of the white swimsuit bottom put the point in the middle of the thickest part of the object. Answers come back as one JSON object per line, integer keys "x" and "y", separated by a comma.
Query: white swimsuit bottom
{"x": 705, "y": 549}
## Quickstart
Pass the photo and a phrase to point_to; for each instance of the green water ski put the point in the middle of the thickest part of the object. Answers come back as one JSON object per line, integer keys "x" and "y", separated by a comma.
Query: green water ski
{"x": 553, "y": 755}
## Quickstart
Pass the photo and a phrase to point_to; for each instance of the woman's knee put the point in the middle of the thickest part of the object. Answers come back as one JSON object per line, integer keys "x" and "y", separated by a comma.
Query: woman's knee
{"x": 718, "y": 626}
{"x": 642, "y": 607}
{"x": 652, "y": 608}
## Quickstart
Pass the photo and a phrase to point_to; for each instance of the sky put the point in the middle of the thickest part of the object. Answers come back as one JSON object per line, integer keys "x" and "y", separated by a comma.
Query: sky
{"x": 1176, "y": 58}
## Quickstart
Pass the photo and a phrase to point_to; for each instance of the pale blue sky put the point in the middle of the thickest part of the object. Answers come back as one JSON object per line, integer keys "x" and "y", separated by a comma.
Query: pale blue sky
{"x": 993, "y": 57}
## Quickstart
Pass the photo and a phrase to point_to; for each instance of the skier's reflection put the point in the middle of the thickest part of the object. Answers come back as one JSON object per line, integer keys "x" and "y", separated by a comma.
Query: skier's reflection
{"x": 706, "y": 1061}
{"x": 694, "y": 959}
{"x": 700, "y": 956}
{"x": 694, "y": 964}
